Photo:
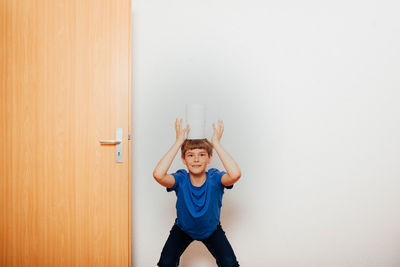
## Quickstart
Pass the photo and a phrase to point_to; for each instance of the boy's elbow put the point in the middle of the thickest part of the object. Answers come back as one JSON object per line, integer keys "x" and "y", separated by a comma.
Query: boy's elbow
{"x": 236, "y": 177}
{"x": 157, "y": 176}
{"x": 238, "y": 174}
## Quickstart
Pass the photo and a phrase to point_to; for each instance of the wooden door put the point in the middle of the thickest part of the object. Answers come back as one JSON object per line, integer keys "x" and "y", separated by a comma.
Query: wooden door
{"x": 65, "y": 85}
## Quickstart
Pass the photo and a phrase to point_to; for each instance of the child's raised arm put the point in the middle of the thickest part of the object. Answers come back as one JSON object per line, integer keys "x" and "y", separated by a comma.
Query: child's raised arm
{"x": 160, "y": 172}
{"x": 233, "y": 171}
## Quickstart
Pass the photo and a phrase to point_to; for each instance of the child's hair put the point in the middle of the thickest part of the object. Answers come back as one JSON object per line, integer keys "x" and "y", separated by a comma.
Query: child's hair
{"x": 190, "y": 144}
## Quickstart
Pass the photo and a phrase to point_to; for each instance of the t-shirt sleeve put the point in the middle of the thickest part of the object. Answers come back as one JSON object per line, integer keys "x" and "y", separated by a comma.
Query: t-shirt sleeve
{"x": 178, "y": 176}
{"x": 218, "y": 175}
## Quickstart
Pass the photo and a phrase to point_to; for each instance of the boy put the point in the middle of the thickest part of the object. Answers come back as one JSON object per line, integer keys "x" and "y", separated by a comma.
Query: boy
{"x": 199, "y": 196}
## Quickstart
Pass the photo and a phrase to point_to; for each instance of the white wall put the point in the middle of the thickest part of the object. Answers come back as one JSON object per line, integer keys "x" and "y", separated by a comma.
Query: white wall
{"x": 309, "y": 94}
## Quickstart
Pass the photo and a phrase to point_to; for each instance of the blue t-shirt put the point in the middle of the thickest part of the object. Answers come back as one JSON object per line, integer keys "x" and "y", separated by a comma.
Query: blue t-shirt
{"x": 198, "y": 208}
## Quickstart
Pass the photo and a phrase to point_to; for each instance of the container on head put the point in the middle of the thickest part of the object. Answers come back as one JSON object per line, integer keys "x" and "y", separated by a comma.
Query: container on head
{"x": 196, "y": 118}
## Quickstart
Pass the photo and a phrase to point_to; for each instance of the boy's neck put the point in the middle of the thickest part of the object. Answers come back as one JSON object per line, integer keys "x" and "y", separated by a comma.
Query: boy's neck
{"x": 198, "y": 179}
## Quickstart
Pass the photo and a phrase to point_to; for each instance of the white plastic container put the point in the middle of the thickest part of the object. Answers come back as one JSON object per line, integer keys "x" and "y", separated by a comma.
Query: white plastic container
{"x": 196, "y": 118}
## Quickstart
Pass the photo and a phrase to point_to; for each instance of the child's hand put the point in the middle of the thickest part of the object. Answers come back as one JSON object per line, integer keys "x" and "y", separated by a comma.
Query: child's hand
{"x": 217, "y": 132}
{"x": 180, "y": 133}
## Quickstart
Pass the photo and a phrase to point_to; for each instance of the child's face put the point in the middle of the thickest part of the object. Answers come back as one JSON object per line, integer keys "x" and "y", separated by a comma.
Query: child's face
{"x": 196, "y": 160}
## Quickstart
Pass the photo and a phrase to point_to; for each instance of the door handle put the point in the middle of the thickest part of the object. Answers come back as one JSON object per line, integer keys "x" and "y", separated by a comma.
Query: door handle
{"x": 110, "y": 142}
{"x": 117, "y": 142}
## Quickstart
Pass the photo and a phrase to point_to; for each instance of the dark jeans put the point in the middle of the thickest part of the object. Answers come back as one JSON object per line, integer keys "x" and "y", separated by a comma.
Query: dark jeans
{"x": 178, "y": 241}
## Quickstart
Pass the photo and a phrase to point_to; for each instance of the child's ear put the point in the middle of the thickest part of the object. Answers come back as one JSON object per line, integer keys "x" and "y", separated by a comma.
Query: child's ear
{"x": 183, "y": 160}
{"x": 210, "y": 158}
